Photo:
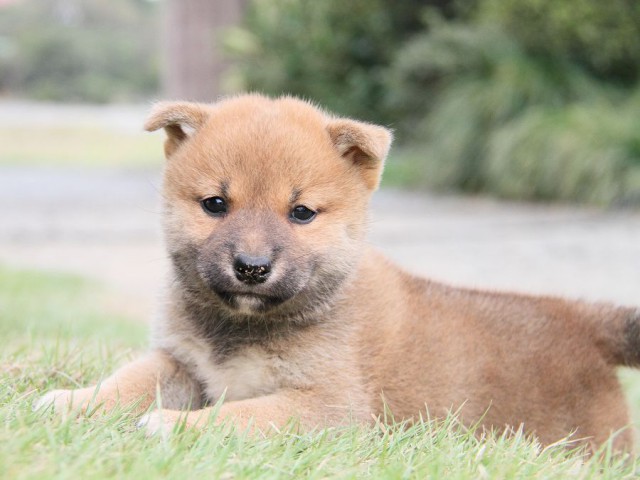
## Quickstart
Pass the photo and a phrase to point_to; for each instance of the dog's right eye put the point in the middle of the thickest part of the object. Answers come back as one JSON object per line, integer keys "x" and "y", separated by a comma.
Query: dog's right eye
{"x": 214, "y": 206}
{"x": 302, "y": 214}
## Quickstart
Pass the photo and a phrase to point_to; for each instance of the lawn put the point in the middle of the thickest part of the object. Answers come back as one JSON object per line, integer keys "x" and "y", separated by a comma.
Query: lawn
{"x": 78, "y": 146}
{"x": 57, "y": 332}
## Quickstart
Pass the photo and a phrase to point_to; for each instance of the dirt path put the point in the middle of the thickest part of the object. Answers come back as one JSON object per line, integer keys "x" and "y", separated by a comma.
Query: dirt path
{"x": 105, "y": 225}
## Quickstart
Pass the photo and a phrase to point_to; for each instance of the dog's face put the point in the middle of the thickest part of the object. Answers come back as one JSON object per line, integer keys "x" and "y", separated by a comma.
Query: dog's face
{"x": 265, "y": 200}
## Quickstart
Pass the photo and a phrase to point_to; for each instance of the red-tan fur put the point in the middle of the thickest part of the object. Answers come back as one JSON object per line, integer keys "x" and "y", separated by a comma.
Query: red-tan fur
{"x": 366, "y": 333}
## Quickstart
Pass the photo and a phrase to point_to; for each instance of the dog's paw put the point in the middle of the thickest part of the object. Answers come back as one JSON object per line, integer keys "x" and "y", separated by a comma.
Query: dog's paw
{"x": 159, "y": 422}
{"x": 58, "y": 401}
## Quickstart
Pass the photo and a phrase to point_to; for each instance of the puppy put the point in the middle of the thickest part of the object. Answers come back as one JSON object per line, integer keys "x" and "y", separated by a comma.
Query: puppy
{"x": 276, "y": 303}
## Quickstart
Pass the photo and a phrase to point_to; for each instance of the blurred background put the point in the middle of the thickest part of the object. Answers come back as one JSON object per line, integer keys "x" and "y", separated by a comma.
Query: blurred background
{"x": 516, "y": 165}
{"x": 524, "y": 99}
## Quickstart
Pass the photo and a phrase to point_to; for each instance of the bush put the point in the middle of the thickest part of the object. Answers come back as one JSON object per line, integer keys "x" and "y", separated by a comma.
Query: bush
{"x": 80, "y": 51}
{"x": 499, "y": 119}
{"x": 600, "y": 36}
{"x": 329, "y": 51}
{"x": 588, "y": 152}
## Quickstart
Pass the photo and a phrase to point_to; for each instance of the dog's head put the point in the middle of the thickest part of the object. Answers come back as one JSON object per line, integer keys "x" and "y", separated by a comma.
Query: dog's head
{"x": 265, "y": 200}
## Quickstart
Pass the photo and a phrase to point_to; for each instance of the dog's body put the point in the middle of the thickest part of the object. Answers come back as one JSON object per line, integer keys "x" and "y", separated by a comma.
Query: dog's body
{"x": 277, "y": 303}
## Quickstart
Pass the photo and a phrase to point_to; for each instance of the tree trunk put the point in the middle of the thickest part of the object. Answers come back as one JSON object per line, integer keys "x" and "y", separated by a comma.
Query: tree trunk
{"x": 193, "y": 60}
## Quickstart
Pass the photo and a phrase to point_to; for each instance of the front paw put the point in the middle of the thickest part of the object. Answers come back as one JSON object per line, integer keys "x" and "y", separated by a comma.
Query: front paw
{"x": 58, "y": 401}
{"x": 161, "y": 422}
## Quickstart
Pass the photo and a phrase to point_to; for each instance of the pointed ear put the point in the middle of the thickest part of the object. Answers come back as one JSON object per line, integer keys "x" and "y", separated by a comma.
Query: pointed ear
{"x": 365, "y": 144}
{"x": 179, "y": 119}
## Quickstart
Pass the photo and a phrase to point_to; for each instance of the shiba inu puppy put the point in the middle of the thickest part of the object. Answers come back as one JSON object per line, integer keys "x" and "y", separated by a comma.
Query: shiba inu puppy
{"x": 276, "y": 302}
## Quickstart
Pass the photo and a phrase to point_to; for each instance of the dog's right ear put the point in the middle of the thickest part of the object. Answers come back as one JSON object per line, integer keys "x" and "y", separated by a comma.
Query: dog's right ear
{"x": 364, "y": 144}
{"x": 179, "y": 119}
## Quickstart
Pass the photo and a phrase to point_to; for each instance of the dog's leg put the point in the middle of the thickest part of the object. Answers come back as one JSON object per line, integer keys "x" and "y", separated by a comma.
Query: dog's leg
{"x": 134, "y": 385}
{"x": 259, "y": 414}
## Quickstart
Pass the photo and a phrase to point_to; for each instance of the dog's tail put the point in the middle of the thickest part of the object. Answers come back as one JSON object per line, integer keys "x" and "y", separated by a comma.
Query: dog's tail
{"x": 617, "y": 331}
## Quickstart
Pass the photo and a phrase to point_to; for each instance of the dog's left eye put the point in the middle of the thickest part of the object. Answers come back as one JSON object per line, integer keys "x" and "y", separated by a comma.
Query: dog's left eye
{"x": 214, "y": 206}
{"x": 302, "y": 214}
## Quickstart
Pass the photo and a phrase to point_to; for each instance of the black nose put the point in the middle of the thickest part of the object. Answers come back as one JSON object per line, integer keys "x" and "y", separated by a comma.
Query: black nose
{"x": 251, "y": 269}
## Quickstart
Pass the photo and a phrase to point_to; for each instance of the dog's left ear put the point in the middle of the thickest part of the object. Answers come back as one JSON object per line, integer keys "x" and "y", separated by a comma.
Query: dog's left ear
{"x": 365, "y": 144}
{"x": 179, "y": 119}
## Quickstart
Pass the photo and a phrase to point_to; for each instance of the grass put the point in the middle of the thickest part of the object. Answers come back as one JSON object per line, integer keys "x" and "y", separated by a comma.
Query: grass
{"x": 81, "y": 146}
{"x": 78, "y": 146}
{"x": 57, "y": 334}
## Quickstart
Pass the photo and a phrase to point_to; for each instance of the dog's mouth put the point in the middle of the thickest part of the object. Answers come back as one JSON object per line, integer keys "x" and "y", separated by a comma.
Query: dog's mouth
{"x": 250, "y": 302}
{"x": 276, "y": 296}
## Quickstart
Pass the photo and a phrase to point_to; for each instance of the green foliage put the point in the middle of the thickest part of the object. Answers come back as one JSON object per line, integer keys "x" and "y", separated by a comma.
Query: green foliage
{"x": 587, "y": 152}
{"x": 440, "y": 72}
{"x": 601, "y": 36}
{"x": 47, "y": 306}
{"x": 94, "y": 51}
{"x": 500, "y": 119}
{"x": 329, "y": 51}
